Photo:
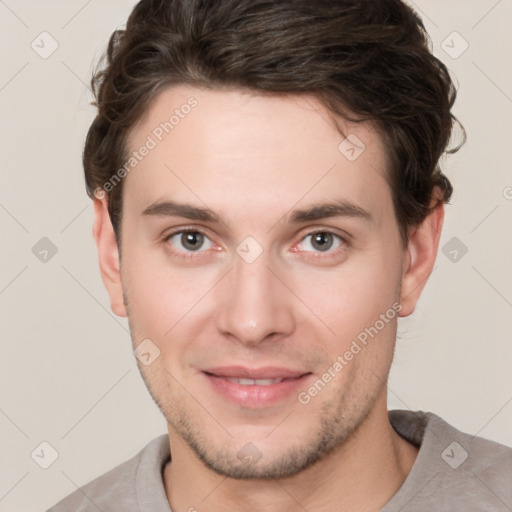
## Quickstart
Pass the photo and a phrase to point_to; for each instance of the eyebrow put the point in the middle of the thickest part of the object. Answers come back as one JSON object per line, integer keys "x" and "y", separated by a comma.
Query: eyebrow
{"x": 329, "y": 210}
{"x": 339, "y": 208}
{"x": 187, "y": 211}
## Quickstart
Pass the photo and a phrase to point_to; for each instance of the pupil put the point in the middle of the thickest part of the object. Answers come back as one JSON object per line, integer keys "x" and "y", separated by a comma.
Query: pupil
{"x": 192, "y": 241}
{"x": 322, "y": 241}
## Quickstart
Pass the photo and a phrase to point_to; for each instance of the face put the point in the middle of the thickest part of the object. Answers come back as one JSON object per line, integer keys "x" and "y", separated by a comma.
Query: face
{"x": 264, "y": 264}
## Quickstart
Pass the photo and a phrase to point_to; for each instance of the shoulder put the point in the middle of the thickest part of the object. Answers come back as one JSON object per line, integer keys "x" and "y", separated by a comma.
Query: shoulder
{"x": 473, "y": 453}
{"x": 453, "y": 470}
{"x": 489, "y": 462}
{"x": 118, "y": 488}
{"x": 476, "y": 470}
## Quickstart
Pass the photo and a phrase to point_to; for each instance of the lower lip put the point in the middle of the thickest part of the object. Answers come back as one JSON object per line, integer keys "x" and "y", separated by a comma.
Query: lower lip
{"x": 255, "y": 396}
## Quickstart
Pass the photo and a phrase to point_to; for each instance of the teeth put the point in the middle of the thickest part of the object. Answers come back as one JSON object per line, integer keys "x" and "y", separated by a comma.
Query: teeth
{"x": 254, "y": 382}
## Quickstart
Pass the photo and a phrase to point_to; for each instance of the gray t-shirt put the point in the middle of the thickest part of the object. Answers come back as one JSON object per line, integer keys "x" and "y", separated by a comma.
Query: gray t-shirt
{"x": 452, "y": 472}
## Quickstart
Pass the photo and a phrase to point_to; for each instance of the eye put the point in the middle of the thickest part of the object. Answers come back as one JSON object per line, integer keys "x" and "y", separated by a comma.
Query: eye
{"x": 189, "y": 241}
{"x": 321, "y": 241}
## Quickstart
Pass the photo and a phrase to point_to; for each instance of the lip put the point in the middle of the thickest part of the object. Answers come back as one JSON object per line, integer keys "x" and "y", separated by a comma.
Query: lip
{"x": 266, "y": 372}
{"x": 254, "y": 395}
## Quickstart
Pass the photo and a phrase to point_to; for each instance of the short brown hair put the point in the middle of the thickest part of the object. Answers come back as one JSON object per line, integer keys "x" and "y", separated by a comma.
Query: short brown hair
{"x": 364, "y": 59}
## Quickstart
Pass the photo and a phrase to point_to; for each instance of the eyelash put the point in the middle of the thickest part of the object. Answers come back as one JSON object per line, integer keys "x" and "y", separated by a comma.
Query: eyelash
{"x": 184, "y": 254}
{"x": 195, "y": 254}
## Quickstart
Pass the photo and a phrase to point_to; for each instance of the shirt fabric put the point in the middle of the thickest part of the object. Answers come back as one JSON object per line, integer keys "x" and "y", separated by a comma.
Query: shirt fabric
{"x": 453, "y": 471}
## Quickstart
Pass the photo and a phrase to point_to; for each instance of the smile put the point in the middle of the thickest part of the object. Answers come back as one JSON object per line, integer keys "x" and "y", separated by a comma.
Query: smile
{"x": 254, "y": 382}
{"x": 256, "y": 388}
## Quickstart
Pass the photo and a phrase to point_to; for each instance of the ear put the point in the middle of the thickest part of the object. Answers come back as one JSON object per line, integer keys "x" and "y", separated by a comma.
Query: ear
{"x": 420, "y": 258}
{"x": 108, "y": 255}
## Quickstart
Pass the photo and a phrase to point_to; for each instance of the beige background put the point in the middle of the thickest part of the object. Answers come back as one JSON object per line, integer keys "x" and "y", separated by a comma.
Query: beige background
{"x": 68, "y": 376}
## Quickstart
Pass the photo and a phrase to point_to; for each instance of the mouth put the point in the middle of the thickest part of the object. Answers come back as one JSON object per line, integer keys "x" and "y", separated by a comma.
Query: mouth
{"x": 256, "y": 387}
{"x": 253, "y": 382}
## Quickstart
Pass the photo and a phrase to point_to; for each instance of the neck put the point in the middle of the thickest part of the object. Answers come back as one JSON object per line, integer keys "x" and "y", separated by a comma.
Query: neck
{"x": 361, "y": 474}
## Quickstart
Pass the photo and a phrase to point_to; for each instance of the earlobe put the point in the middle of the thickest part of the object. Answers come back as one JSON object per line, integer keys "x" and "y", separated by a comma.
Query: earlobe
{"x": 420, "y": 258}
{"x": 108, "y": 255}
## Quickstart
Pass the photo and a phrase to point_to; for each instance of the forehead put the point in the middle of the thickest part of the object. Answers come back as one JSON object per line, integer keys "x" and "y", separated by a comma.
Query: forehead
{"x": 270, "y": 151}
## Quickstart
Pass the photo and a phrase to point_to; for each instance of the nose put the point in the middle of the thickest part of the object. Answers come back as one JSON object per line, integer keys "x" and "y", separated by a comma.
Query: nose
{"x": 254, "y": 304}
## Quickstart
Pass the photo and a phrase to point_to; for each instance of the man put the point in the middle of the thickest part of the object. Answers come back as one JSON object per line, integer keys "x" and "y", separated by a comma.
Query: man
{"x": 268, "y": 202}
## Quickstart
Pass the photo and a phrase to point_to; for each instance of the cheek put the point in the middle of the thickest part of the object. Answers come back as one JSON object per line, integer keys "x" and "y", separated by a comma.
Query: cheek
{"x": 161, "y": 296}
{"x": 356, "y": 302}
{"x": 352, "y": 296}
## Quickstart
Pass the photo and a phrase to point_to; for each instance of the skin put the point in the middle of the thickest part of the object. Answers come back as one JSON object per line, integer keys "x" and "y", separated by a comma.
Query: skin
{"x": 253, "y": 160}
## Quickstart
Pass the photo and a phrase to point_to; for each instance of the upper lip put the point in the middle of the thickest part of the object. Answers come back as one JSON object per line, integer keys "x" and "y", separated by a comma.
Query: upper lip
{"x": 267, "y": 372}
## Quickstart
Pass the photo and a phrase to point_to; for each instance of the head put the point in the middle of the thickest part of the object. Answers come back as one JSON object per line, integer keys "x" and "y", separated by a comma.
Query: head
{"x": 298, "y": 145}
